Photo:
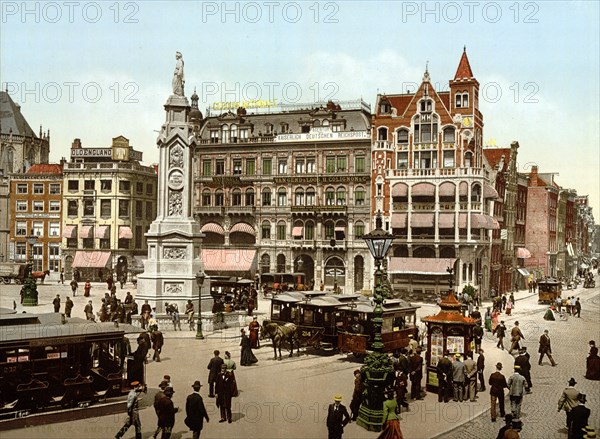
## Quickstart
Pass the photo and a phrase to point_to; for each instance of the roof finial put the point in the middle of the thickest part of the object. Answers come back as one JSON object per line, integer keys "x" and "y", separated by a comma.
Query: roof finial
{"x": 426, "y": 66}
{"x": 465, "y": 48}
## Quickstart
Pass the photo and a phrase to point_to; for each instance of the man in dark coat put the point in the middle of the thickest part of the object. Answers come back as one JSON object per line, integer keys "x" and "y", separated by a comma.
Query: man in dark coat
{"x": 224, "y": 390}
{"x": 515, "y": 337}
{"x": 545, "y": 348}
{"x": 56, "y": 303}
{"x": 157, "y": 343}
{"x": 68, "y": 306}
{"x": 497, "y": 383}
{"x": 337, "y": 418}
{"x": 195, "y": 411}
{"x": 477, "y": 337}
{"x": 166, "y": 413}
{"x": 579, "y": 418}
{"x": 214, "y": 366}
{"x": 480, "y": 368}
{"x": 500, "y": 333}
{"x": 415, "y": 364}
{"x": 444, "y": 376}
{"x": 522, "y": 360}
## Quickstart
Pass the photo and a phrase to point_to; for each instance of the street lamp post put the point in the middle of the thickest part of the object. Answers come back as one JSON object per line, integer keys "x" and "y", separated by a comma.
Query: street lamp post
{"x": 29, "y": 291}
{"x": 299, "y": 263}
{"x": 378, "y": 371}
{"x": 200, "y": 276}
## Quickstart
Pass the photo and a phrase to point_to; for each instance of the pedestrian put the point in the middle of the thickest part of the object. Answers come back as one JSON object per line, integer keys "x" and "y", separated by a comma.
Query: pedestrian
{"x": 247, "y": 358}
{"x": 415, "y": 364}
{"x": 500, "y": 333}
{"x": 145, "y": 314}
{"x": 214, "y": 366}
{"x": 224, "y": 393}
{"x": 522, "y": 360}
{"x": 507, "y": 431}
{"x": 357, "y": 394}
{"x": 89, "y": 311}
{"x": 480, "y": 369}
{"x": 580, "y": 415}
{"x": 509, "y": 306}
{"x": 161, "y": 392}
{"x": 545, "y": 348}
{"x": 569, "y": 399}
{"x": 444, "y": 376}
{"x": 195, "y": 411}
{"x": 68, "y": 306}
{"x": 166, "y": 413}
{"x": 558, "y": 304}
{"x": 133, "y": 415}
{"x": 337, "y": 418}
{"x": 413, "y": 344}
{"x": 231, "y": 371}
{"x": 254, "y": 329}
{"x": 503, "y": 301}
{"x": 56, "y": 303}
{"x": 74, "y": 286}
{"x": 189, "y": 312}
{"x": 470, "y": 369}
{"x": 497, "y": 384}
{"x": 592, "y": 363}
{"x": 488, "y": 320}
{"x": 578, "y": 307}
{"x": 401, "y": 386}
{"x": 477, "y": 337}
{"x": 495, "y": 315}
{"x": 512, "y": 298}
{"x": 515, "y": 337}
{"x": 87, "y": 288}
{"x": 62, "y": 276}
{"x": 516, "y": 389}
{"x": 390, "y": 421}
{"x": 157, "y": 344}
{"x": 573, "y": 305}
{"x": 458, "y": 378}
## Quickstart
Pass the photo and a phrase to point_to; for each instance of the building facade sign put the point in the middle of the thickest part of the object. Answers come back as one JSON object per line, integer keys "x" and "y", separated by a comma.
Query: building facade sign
{"x": 323, "y": 134}
{"x": 342, "y": 179}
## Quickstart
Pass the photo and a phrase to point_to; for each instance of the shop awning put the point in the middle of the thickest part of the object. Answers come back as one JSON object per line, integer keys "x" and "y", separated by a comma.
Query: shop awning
{"x": 399, "y": 190}
{"x": 423, "y": 266}
{"x": 226, "y": 260}
{"x": 423, "y": 190}
{"x": 523, "y": 253}
{"x": 297, "y": 232}
{"x": 212, "y": 228}
{"x": 243, "y": 228}
{"x": 340, "y": 232}
{"x": 446, "y": 221}
{"x": 523, "y": 272}
{"x": 463, "y": 189}
{"x": 489, "y": 192}
{"x": 422, "y": 220}
{"x": 86, "y": 232}
{"x": 69, "y": 231}
{"x": 103, "y": 232}
{"x": 399, "y": 220}
{"x": 93, "y": 259}
{"x": 447, "y": 189}
{"x": 570, "y": 249}
{"x": 125, "y": 232}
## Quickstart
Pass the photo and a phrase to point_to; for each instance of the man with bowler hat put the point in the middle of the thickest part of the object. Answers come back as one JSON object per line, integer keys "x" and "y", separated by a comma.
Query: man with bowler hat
{"x": 224, "y": 390}
{"x": 497, "y": 383}
{"x": 580, "y": 415}
{"x": 195, "y": 411}
{"x": 166, "y": 413}
{"x": 569, "y": 399}
{"x": 337, "y": 418}
{"x": 516, "y": 390}
{"x": 214, "y": 366}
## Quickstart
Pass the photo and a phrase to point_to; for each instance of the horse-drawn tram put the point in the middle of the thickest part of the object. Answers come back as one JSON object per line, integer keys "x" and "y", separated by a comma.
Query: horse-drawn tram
{"x": 548, "y": 290}
{"x": 48, "y": 363}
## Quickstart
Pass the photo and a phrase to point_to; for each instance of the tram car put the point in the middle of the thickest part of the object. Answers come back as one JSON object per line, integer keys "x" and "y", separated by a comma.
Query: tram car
{"x": 275, "y": 283}
{"x": 357, "y": 333}
{"x": 548, "y": 290}
{"x": 48, "y": 363}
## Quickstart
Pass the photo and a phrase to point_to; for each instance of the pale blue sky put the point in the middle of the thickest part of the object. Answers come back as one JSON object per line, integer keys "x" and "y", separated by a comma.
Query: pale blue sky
{"x": 545, "y": 52}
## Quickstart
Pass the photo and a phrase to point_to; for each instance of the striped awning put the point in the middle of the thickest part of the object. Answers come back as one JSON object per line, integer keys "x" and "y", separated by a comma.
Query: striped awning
{"x": 523, "y": 253}
{"x": 103, "y": 232}
{"x": 297, "y": 231}
{"x": 399, "y": 190}
{"x": 228, "y": 260}
{"x": 125, "y": 232}
{"x": 446, "y": 221}
{"x": 212, "y": 228}
{"x": 422, "y": 220}
{"x": 463, "y": 189}
{"x": 92, "y": 259}
{"x": 489, "y": 192}
{"x": 69, "y": 231}
{"x": 447, "y": 189}
{"x": 243, "y": 228}
{"x": 423, "y": 190}
{"x": 478, "y": 221}
{"x": 422, "y": 266}
{"x": 86, "y": 232}
{"x": 399, "y": 220}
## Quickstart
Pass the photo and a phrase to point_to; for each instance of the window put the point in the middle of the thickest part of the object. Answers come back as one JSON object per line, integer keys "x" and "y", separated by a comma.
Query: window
{"x": 403, "y": 137}
{"x": 139, "y": 188}
{"x": 266, "y": 197}
{"x": 89, "y": 185}
{"x": 38, "y": 188}
{"x": 139, "y": 209}
{"x": 21, "y": 206}
{"x": 206, "y": 197}
{"x": 54, "y": 189}
{"x": 282, "y": 197}
{"x": 282, "y": 166}
{"x": 37, "y": 256}
{"x": 220, "y": 167}
{"x": 72, "y": 208}
{"x": 309, "y": 230}
{"x": 53, "y": 256}
{"x": 342, "y": 163}
{"x": 105, "y": 208}
{"x": 20, "y": 252}
{"x": 448, "y": 159}
{"x": 330, "y": 164}
{"x": 250, "y": 167}
{"x": 138, "y": 236}
{"x": 299, "y": 197}
{"x": 458, "y": 100}
{"x": 468, "y": 160}
{"x": 236, "y": 197}
{"x": 38, "y": 228}
{"x": 250, "y": 197}
{"x": 54, "y": 206}
{"x": 465, "y": 100}
{"x": 234, "y": 133}
{"x": 123, "y": 208}
{"x": 449, "y": 134}
{"x": 73, "y": 185}
{"x": 21, "y": 228}
{"x": 237, "y": 167}
{"x": 379, "y": 189}
{"x": 285, "y": 127}
{"x": 267, "y": 167}
{"x": 310, "y": 197}
{"x": 310, "y": 165}
{"x": 149, "y": 189}
{"x": 305, "y": 128}
{"x": 207, "y": 168}
{"x": 402, "y": 160}
{"x": 214, "y": 136}
{"x": 268, "y": 128}
{"x": 219, "y": 198}
{"x": 329, "y": 197}
{"x": 38, "y": 206}
{"x": 359, "y": 196}
{"x": 382, "y": 133}
{"x": 21, "y": 188}
{"x": 105, "y": 185}
{"x": 124, "y": 243}
{"x": 124, "y": 186}
{"x": 359, "y": 164}
{"x": 149, "y": 213}
{"x": 359, "y": 229}
{"x": 329, "y": 230}
{"x": 341, "y": 196}
{"x": 244, "y": 135}
{"x": 265, "y": 230}
{"x": 224, "y": 134}
{"x": 54, "y": 229}
{"x": 425, "y": 128}
{"x": 88, "y": 207}
{"x": 336, "y": 128}
{"x": 281, "y": 229}
{"x": 300, "y": 165}
{"x": 104, "y": 243}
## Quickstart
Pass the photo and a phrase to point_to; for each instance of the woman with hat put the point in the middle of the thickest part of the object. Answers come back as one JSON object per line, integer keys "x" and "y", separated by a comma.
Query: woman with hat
{"x": 247, "y": 358}
{"x": 356, "y": 395}
{"x": 391, "y": 421}
{"x": 195, "y": 411}
{"x": 230, "y": 364}
{"x": 592, "y": 370}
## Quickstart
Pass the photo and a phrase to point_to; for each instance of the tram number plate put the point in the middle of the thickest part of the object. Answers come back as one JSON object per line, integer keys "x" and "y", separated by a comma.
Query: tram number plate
{"x": 307, "y": 334}
{"x": 22, "y": 413}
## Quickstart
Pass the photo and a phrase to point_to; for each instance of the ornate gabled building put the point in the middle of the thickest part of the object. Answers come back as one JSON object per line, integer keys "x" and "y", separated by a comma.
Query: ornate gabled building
{"x": 430, "y": 183}
{"x": 288, "y": 191}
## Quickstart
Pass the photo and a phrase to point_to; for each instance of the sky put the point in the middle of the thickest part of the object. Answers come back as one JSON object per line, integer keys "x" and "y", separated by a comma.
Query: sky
{"x": 97, "y": 70}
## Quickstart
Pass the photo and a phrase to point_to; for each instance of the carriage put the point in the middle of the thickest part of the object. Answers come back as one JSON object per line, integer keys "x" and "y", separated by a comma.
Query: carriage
{"x": 10, "y": 271}
{"x": 281, "y": 282}
{"x": 48, "y": 363}
{"x": 548, "y": 290}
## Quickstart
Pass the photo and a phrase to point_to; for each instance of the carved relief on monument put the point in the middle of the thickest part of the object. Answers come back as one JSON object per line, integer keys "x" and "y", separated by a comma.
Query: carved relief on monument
{"x": 176, "y": 157}
{"x": 173, "y": 288}
{"x": 176, "y": 179}
{"x": 175, "y": 203}
{"x": 174, "y": 253}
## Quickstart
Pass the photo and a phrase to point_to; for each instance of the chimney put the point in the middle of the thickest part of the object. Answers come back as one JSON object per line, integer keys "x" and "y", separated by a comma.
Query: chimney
{"x": 76, "y": 143}
{"x": 533, "y": 176}
{"x": 155, "y": 166}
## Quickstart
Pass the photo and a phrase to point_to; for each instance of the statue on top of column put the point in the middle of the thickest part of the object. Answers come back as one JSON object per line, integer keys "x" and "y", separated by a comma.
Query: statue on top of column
{"x": 178, "y": 77}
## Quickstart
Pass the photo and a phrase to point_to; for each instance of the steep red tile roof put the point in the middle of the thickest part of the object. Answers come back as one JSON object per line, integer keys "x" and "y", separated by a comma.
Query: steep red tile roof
{"x": 464, "y": 68}
{"x": 445, "y": 98}
{"x": 400, "y": 102}
{"x": 493, "y": 155}
{"x": 45, "y": 168}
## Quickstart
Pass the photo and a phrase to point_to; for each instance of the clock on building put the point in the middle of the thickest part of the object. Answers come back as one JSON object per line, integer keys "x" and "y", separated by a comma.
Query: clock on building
{"x": 467, "y": 122}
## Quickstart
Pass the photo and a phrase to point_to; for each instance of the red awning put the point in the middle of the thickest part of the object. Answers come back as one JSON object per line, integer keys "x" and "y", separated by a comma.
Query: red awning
{"x": 86, "y": 232}
{"x": 447, "y": 189}
{"x": 422, "y": 220}
{"x": 423, "y": 190}
{"x": 297, "y": 231}
{"x": 523, "y": 253}
{"x": 399, "y": 190}
{"x": 424, "y": 266}
{"x": 212, "y": 228}
{"x": 243, "y": 228}
{"x": 69, "y": 231}
{"x": 228, "y": 260}
{"x": 399, "y": 220}
{"x": 125, "y": 232}
{"x": 103, "y": 232}
{"x": 446, "y": 221}
{"x": 92, "y": 259}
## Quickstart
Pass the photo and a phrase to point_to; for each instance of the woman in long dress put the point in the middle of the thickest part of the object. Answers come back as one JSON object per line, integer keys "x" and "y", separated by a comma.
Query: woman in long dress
{"x": 391, "y": 421}
{"x": 230, "y": 370}
{"x": 494, "y": 320}
{"x": 247, "y": 357}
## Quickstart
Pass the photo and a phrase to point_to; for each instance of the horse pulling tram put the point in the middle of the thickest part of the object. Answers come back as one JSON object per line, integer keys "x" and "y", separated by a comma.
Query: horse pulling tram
{"x": 548, "y": 290}
{"x": 48, "y": 363}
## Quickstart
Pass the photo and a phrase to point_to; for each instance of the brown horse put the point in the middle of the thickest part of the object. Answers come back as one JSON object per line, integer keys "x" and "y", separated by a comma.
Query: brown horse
{"x": 280, "y": 334}
{"x": 40, "y": 275}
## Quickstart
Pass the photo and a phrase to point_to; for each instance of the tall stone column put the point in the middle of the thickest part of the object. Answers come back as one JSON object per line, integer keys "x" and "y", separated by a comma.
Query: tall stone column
{"x": 174, "y": 238}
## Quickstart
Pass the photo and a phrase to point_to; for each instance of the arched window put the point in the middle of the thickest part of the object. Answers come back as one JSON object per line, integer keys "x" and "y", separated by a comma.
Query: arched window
{"x": 329, "y": 230}
{"x": 265, "y": 230}
{"x": 359, "y": 229}
{"x": 225, "y": 134}
{"x": 266, "y": 196}
{"x": 382, "y": 133}
{"x": 234, "y": 133}
{"x": 281, "y": 263}
{"x": 236, "y": 197}
{"x": 265, "y": 263}
{"x": 281, "y": 230}
{"x": 219, "y": 197}
{"x": 325, "y": 123}
{"x": 317, "y": 123}
{"x": 468, "y": 160}
{"x": 402, "y": 136}
{"x": 340, "y": 196}
{"x": 206, "y": 197}
{"x": 299, "y": 197}
{"x": 309, "y": 230}
{"x": 330, "y": 196}
{"x": 282, "y": 197}
{"x": 359, "y": 196}
{"x": 425, "y": 127}
{"x": 449, "y": 134}
{"x": 310, "y": 197}
{"x": 476, "y": 193}
{"x": 250, "y": 197}
{"x": 461, "y": 99}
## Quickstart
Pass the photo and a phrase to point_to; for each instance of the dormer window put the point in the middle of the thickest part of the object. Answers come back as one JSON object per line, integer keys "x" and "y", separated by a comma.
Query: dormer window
{"x": 325, "y": 123}
{"x": 385, "y": 107}
{"x": 285, "y": 127}
{"x": 426, "y": 105}
{"x": 234, "y": 133}
{"x": 268, "y": 128}
{"x": 214, "y": 136}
